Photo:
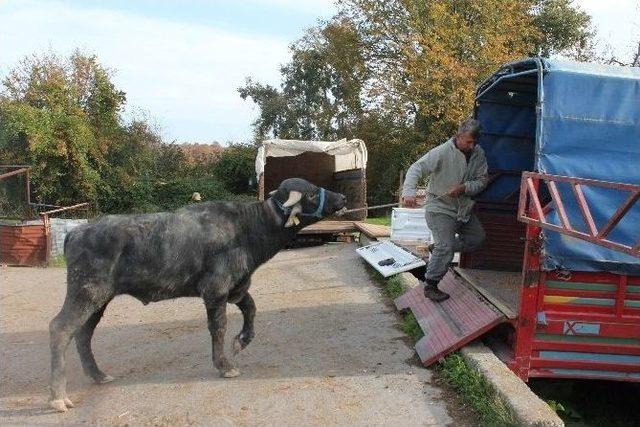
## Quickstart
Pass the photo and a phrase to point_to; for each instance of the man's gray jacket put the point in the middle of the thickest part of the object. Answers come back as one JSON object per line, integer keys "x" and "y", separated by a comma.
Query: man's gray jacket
{"x": 446, "y": 167}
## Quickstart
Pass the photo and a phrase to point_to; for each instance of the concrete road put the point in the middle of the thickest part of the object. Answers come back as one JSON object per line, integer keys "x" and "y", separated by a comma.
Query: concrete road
{"x": 327, "y": 352}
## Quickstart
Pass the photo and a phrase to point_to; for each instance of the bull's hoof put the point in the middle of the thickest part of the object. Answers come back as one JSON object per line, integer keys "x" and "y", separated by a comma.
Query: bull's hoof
{"x": 104, "y": 379}
{"x": 59, "y": 405}
{"x": 68, "y": 403}
{"x": 231, "y": 373}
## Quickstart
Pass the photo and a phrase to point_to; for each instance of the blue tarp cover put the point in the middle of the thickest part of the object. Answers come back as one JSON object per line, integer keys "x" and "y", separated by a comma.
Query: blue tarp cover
{"x": 587, "y": 125}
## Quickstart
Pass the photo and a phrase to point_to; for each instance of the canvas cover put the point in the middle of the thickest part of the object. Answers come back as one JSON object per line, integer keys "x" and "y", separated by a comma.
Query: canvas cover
{"x": 585, "y": 122}
{"x": 349, "y": 154}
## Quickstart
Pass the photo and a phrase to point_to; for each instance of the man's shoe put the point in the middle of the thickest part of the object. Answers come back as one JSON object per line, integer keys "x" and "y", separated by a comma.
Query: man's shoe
{"x": 434, "y": 294}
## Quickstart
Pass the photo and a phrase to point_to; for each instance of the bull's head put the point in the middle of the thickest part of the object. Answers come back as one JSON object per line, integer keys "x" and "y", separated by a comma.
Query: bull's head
{"x": 302, "y": 202}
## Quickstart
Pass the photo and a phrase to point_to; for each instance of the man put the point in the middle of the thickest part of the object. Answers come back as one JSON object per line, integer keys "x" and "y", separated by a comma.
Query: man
{"x": 457, "y": 171}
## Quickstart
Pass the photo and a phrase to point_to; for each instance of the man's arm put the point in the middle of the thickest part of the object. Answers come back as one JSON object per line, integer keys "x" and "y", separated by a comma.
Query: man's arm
{"x": 423, "y": 167}
{"x": 479, "y": 180}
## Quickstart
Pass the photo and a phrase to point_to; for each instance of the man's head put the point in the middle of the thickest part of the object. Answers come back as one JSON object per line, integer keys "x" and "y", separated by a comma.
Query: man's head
{"x": 467, "y": 136}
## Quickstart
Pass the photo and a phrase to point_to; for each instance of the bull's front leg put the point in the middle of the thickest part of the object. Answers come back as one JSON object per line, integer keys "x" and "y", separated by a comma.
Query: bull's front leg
{"x": 248, "y": 309}
{"x": 217, "y": 319}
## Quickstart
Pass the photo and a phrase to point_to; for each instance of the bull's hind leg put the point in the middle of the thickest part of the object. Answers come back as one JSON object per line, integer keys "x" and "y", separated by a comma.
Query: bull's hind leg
{"x": 76, "y": 310}
{"x": 83, "y": 344}
{"x": 248, "y": 309}
{"x": 217, "y": 319}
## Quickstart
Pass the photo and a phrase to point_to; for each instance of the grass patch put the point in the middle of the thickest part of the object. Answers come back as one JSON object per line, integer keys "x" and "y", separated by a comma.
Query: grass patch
{"x": 381, "y": 220}
{"x": 409, "y": 325}
{"x": 58, "y": 261}
{"x": 476, "y": 391}
{"x": 472, "y": 387}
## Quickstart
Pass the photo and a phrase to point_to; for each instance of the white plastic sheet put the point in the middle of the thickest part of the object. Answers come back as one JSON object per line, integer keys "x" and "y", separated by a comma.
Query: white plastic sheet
{"x": 349, "y": 154}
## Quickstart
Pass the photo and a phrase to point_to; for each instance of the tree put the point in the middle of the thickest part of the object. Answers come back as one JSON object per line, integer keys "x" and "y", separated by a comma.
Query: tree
{"x": 401, "y": 74}
{"x": 235, "y": 168}
{"x": 320, "y": 94}
{"x": 563, "y": 28}
{"x": 63, "y": 117}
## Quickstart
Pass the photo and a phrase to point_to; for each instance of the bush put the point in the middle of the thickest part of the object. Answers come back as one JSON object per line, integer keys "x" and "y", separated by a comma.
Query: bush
{"x": 235, "y": 168}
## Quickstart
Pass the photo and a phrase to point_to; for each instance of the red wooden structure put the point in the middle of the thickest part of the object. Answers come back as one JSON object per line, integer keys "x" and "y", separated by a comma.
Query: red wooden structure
{"x": 27, "y": 242}
{"x": 575, "y": 324}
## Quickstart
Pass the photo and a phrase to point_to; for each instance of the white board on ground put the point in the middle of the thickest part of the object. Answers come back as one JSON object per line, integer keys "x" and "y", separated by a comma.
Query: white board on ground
{"x": 402, "y": 260}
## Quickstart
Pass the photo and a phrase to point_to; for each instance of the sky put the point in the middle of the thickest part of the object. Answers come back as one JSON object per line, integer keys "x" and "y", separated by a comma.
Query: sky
{"x": 181, "y": 62}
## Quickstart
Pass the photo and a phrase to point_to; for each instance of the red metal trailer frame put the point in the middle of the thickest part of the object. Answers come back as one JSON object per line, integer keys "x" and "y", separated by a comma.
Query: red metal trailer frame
{"x": 575, "y": 324}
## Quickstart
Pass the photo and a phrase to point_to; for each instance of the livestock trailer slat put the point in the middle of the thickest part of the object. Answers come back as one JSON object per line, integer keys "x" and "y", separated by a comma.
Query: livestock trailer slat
{"x": 595, "y": 348}
{"x": 23, "y": 244}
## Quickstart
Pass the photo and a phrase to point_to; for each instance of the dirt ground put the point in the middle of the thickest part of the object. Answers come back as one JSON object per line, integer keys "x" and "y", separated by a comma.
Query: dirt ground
{"x": 327, "y": 352}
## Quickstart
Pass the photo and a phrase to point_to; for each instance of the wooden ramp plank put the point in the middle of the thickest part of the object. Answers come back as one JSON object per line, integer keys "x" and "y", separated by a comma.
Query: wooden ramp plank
{"x": 496, "y": 286}
{"x": 373, "y": 230}
{"x": 451, "y": 324}
{"x": 329, "y": 227}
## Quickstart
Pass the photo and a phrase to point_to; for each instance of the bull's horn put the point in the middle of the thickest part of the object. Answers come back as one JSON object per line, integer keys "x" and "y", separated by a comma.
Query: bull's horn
{"x": 271, "y": 193}
{"x": 294, "y": 197}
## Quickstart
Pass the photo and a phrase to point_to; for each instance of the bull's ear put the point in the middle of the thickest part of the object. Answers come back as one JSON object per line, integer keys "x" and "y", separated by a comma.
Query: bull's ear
{"x": 294, "y": 197}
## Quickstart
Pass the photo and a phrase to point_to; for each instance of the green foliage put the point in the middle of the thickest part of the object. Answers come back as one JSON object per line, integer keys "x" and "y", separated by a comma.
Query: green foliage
{"x": 63, "y": 117}
{"x": 235, "y": 168}
{"x": 382, "y": 220}
{"x": 556, "y": 406}
{"x": 58, "y": 261}
{"x": 320, "y": 93}
{"x": 401, "y": 74}
{"x": 563, "y": 28}
{"x": 476, "y": 391}
{"x": 393, "y": 287}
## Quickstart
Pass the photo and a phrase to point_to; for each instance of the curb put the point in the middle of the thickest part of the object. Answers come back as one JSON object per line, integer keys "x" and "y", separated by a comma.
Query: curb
{"x": 527, "y": 408}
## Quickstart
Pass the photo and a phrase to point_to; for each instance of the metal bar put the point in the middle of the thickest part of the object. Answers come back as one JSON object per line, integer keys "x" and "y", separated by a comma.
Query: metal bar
{"x": 593, "y": 236}
{"x": 511, "y": 195}
{"x": 584, "y": 208}
{"x": 584, "y": 236}
{"x": 511, "y": 104}
{"x": 370, "y": 208}
{"x": 522, "y": 201}
{"x": 584, "y": 364}
{"x": 14, "y": 166}
{"x": 585, "y": 181}
{"x": 66, "y": 208}
{"x": 533, "y": 199}
{"x": 617, "y": 216}
{"x": 47, "y": 234}
{"x": 15, "y": 172}
{"x": 385, "y": 206}
{"x": 28, "y": 185}
{"x": 525, "y": 137}
{"x": 555, "y": 195}
{"x": 506, "y": 76}
{"x": 582, "y": 347}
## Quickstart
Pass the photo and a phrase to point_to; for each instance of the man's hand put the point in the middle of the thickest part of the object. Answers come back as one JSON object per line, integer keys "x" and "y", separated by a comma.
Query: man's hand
{"x": 457, "y": 190}
{"x": 409, "y": 202}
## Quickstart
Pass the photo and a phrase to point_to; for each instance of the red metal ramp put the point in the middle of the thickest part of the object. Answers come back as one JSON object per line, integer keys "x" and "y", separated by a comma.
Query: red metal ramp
{"x": 451, "y": 324}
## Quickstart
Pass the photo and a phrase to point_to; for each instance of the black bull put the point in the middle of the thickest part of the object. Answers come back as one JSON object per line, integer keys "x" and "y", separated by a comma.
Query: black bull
{"x": 208, "y": 250}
